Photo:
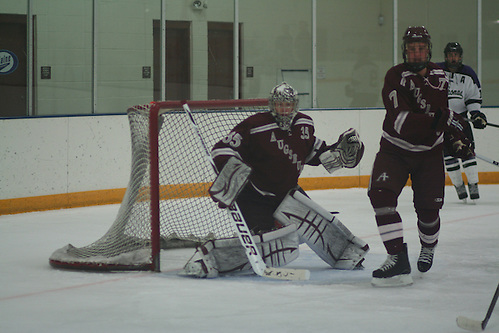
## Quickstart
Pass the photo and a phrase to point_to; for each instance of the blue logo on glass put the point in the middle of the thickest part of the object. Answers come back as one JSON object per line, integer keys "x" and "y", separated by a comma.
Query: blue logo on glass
{"x": 8, "y": 62}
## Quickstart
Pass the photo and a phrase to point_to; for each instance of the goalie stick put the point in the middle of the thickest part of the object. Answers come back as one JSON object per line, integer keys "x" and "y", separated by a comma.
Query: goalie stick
{"x": 477, "y": 325}
{"x": 243, "y": 231}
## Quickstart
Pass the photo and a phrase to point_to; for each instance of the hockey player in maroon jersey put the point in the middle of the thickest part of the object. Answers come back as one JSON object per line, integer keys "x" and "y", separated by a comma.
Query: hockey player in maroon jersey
{"x": 417, "y": 124}
{"x": 465, "y": 95}
{"x": 260, "y": 161}
{"x": 276, "y": 145}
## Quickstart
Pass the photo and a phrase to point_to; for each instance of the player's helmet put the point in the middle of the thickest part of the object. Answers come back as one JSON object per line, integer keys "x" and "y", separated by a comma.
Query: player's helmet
{"x": 454, "y": 47}
{"x": 413, "y": 35}
{"x": 283, "y": 93}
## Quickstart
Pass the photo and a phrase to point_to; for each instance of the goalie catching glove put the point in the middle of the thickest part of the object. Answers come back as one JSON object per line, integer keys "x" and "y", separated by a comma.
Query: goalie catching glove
{"x": 346, "y": 153}
{"x": 229, "y": 182}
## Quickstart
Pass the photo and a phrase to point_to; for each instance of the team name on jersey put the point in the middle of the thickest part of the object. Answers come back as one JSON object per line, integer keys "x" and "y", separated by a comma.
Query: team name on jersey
{"x": 284, "y": 148}
{"x": 456, "y": 93}
{"x": 406, "y": 81}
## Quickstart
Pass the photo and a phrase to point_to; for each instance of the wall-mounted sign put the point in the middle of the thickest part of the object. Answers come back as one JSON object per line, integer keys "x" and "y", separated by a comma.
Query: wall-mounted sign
{"x": 146, "y": 72}
{"x": 46, "y": 72}
{"x": 249, "y": 71}
{"x": 8, "y": 62}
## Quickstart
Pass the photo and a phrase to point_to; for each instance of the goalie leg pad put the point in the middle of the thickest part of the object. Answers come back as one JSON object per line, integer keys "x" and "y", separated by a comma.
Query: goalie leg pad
{"x": 330, "y": 239}
{"x": 278, "y": 248}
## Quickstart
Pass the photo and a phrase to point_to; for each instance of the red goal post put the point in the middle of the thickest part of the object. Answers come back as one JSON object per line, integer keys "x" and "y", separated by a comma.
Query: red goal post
{"x": 166, "y": 203}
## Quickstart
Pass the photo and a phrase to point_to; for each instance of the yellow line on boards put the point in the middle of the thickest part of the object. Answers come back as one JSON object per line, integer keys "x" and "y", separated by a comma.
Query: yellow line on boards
{"x": 178, "y": 191}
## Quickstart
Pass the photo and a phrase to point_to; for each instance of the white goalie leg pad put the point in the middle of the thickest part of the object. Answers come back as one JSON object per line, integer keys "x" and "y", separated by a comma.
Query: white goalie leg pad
{"x": 279, "y": 247}
{"x": 330, "y": 239}
{"x": 222, "y": 256}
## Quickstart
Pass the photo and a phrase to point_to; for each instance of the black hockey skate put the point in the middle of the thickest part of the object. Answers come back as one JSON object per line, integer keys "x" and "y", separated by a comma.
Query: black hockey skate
{"x": 395, "y": 271}
{"x": 425, "y": 259}
{"x": 461, "y": 192}
{"x": 473, "y": 188}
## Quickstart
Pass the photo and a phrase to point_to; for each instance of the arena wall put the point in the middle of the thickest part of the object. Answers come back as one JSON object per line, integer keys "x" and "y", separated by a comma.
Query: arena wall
{"x": 64, "y": 162}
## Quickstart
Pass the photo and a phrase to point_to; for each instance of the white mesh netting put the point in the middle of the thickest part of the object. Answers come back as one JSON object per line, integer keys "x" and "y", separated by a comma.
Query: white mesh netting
{"x": 187, "y": 213}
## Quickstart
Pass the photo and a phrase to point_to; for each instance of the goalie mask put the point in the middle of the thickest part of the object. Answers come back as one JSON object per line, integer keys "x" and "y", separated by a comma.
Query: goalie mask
{"x": 416, "y": 35}
{"x": 283, "y": 103}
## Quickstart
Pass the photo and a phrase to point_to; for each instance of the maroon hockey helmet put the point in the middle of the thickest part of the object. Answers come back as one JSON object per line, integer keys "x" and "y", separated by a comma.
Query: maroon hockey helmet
{"x": 413, "y": 35}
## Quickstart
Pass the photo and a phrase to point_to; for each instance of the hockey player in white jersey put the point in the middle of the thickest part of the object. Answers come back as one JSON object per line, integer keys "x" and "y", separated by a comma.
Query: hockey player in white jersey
{"x": 465, "y": 98}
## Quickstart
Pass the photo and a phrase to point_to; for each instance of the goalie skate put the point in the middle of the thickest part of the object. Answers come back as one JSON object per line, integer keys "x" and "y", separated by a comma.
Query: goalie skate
{"x": 203, "y": 267}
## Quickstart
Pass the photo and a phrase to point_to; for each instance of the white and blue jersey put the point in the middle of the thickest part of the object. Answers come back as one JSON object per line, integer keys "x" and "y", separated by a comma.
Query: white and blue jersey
{"x": 465, "y": 91}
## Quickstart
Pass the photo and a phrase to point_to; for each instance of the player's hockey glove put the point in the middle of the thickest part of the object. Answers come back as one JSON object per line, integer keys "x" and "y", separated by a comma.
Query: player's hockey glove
{"x": 458, "y": 145}
{"x": 346, "y": 153}
{"x": 447, "y": 120}
{"x": 229, "y": 182}
{"x": 478, "y": 119}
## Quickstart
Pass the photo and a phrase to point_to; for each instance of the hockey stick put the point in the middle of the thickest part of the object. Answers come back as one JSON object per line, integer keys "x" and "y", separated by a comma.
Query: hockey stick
{"x": 243, "y": 231}
{"x": 486, "y": 159}
{"x": 488, "y": 124}
{"x": 477, "y": 325}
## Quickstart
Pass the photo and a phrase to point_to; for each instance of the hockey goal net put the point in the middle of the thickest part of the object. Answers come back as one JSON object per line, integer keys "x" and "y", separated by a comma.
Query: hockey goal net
{"x": 166, "y": 203}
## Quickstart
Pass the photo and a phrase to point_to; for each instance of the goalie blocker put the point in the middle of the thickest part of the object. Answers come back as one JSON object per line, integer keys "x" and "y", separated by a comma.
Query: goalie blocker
{"x": 229, "y": 182}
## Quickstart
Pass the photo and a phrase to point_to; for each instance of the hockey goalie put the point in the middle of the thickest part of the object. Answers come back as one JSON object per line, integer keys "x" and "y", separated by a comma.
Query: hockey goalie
{"x": 259, "y": 163}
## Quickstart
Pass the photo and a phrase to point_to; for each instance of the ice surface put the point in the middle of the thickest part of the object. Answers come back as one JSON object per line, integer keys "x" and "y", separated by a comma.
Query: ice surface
{"x": 37, "y": 298}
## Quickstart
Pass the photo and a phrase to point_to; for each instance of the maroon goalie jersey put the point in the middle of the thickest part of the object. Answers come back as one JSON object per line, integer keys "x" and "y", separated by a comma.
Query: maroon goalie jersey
{"x": 277, "y": 157}
{"x": 411, "y": 101}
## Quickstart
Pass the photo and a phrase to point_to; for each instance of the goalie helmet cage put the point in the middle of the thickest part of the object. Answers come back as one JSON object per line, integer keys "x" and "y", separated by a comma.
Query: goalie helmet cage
{"x": 166, "y": 204}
